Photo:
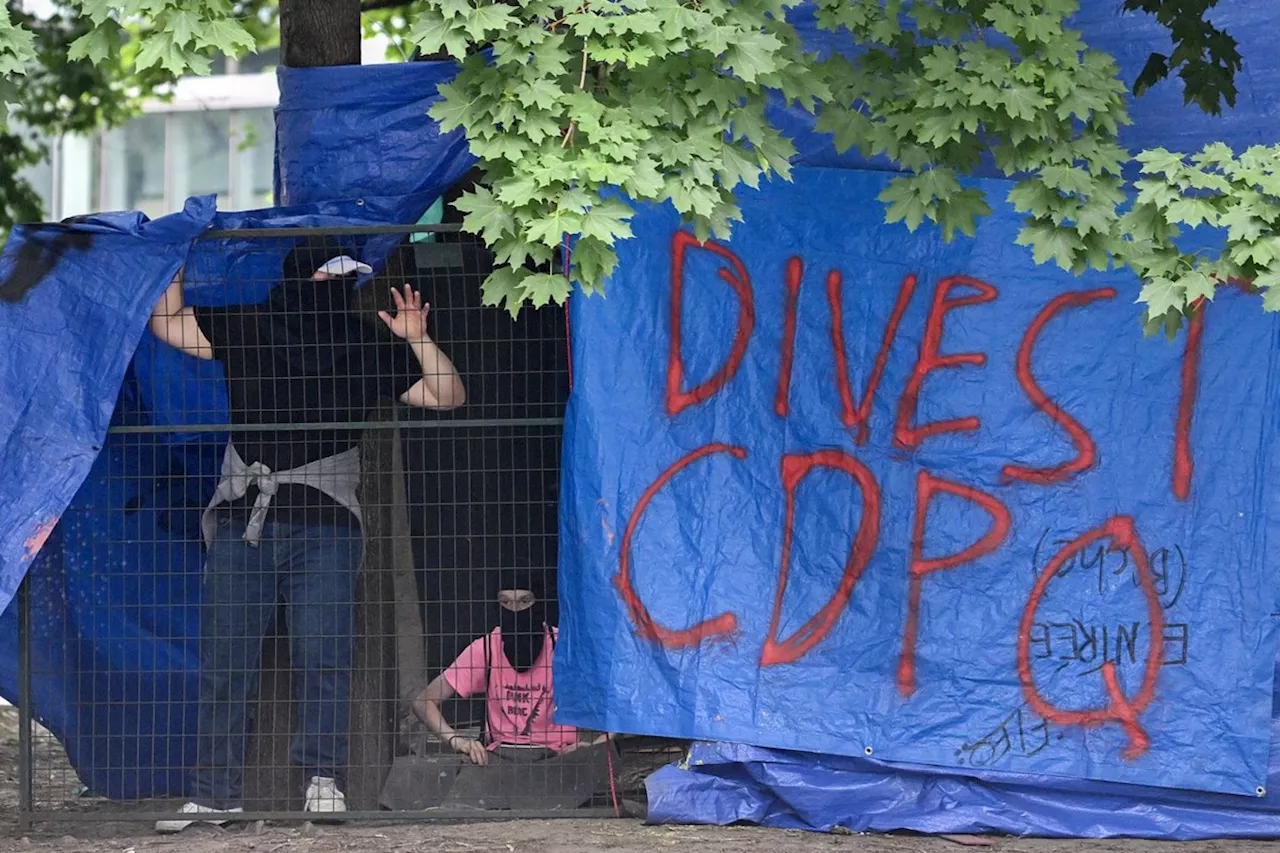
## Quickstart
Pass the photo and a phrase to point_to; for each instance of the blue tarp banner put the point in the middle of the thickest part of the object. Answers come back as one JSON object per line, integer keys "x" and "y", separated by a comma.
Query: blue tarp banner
{"x": 74, "y": 299}
{"x": 839, "y": 488}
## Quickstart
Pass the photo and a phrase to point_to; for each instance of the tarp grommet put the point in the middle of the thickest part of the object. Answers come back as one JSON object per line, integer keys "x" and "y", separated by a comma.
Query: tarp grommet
{"x": 868, "y": 750}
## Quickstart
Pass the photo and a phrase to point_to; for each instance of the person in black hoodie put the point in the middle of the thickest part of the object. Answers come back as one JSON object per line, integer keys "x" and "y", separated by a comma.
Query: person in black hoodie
{"x": 285, "y": 520}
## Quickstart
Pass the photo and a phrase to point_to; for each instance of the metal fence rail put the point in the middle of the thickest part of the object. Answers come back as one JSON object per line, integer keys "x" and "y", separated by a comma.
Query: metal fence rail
{"x": 380, "y": 664}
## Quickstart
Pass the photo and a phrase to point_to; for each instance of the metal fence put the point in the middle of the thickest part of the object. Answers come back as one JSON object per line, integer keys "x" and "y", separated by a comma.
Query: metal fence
{"x": 273, "y": 654}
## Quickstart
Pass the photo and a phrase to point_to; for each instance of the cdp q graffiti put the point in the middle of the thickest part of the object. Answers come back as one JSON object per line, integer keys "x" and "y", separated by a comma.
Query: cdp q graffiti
{"x": 950, "y": 294}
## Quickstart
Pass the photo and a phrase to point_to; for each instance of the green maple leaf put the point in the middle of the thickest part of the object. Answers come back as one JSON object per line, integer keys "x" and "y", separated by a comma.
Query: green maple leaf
{"x": 516, "y": 253}
{"x": 939, "y": 129}
{"x": 183, "y": 26}
{"x": 486, "y": 18}
{"x": 1042, "y": 28}
{"x": 431, "y": 32}
{"x": 1161, "y": 295}
{"x": 98, "y": 11}
{"x": 1197, "y": 284}
{"x": 678, "y": 20}
{"x": 1269, "y": 283}
{"x": 1031, "y": 196}
{"x": 716, "y": 38}
{"x": 1192, "y": 212}
{"x": 589, "y": 24}
{"x": 453, "y": 8}
{"x": 538, "y": 126}
{"x": 646, "y": 180}
{"x": 98, "y": 45}
{"x": 1023, "y": 102}
{"x": 155, "y": 50}
{"x": 737, "y": 167}
{"x": 551, "y": 229}
{"x": 1067, "y": 179}
{"x": 638, "y": 22}
{"x": 503, "y": 289}
{"x": 1095, "y": 218}
{"x": 1242, "y": 226}
{"x": 607, "y": 221}
{"x": 960, "y": 212}
{"x": 226, "y": 35}
{"x": 538, "y": 93}
{"x": 453, "y": 111}
{"x": 849, "y": 127}
{"x": 1003, "y": 19}
{"x": 723, "y": 93}
{"x": 486, "y": 216}
{"x": 518, "y": 190}
{"x": 1263, "y": 252}
{"x": 595, "y": 261}
{"x": 906, "y": 203}
{"x": 1156, "y": 193}
{"x": 545, "y": 288}
{"x": 753, "y": 54}
{"x": 1050, "y": 243}
{"x": 939, "y": 183}
{"x": 17, "y": 47}
{"x": 1159, "y": 161}
{"x": 941, "y": 64}
{"x": 609, "y": 52}
{"x": 503, "y": 146}
{"x": 1259, "y": 158}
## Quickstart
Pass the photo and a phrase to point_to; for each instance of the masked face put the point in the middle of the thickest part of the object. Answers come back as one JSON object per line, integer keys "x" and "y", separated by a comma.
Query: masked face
{"x": 522, "y": 620}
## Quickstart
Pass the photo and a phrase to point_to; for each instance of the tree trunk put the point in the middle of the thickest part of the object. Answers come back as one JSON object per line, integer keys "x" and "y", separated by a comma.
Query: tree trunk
{"x": 318, "y": 33}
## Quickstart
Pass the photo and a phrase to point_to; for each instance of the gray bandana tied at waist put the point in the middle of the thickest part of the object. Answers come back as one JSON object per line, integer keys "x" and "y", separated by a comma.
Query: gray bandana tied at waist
{"x": 337, "y": 476}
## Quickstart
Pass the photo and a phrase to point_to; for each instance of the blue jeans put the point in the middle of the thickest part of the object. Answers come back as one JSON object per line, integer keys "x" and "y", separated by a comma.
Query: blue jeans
{"x": 314, "y": 570}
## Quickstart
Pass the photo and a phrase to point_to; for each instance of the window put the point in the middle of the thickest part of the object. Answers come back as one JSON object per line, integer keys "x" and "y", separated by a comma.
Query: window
{"x": 253, "y": 141}
{"x": 40, "y": 176}
{"x": 133, "y": 167}
{"x": 155, "y": 162}
{"x": 201, "y": 155}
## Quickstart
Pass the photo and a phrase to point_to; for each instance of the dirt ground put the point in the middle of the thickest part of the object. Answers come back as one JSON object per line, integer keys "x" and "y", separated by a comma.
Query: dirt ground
{"x": 56, "y": 782}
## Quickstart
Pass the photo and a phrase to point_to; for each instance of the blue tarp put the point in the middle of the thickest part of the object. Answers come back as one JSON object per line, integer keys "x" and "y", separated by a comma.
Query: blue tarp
{"x": 971, "y": 743}
{"x": 887, "y": 533}
{"x": 355, "y": 147}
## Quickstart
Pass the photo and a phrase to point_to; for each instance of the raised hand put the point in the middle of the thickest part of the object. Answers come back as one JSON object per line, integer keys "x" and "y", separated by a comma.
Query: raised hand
{"x": 410, "y": 318}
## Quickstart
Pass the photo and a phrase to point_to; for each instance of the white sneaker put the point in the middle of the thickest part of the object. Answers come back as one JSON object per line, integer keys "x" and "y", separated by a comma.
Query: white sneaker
{"x": 181, "y": 823}
{"x": 323, "y": 796}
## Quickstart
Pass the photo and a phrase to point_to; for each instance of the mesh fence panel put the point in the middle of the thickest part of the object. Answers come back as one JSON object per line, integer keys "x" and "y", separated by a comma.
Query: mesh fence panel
{"x": 324, "y": 637}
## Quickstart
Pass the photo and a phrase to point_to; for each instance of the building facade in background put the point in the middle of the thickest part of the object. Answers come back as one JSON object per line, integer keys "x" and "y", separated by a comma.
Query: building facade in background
{"x": 215, "y": 135}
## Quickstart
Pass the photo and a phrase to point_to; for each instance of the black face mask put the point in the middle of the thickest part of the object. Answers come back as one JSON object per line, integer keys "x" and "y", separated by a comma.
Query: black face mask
{"x": 523, "y": 635}
{"x": 523, "y": 632}
{"x": 313, "y": 323}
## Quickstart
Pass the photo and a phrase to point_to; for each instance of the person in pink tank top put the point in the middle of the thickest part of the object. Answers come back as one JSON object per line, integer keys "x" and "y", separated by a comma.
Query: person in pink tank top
{"x": 511, "y": 666}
